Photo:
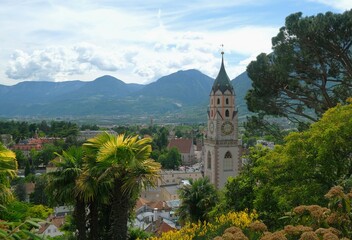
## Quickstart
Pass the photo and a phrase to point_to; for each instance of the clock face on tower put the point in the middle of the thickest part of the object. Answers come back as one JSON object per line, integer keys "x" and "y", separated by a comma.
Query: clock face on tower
{"x": 211, "y": 127}
{"x": 227, "y": 128}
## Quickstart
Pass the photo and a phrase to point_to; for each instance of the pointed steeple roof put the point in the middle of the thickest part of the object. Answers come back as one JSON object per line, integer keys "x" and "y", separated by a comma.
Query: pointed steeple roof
{"x": 222, "y": 81}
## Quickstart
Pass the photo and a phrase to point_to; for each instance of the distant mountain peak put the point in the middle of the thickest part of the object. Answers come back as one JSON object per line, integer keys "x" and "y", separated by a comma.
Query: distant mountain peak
{"x": 107, "y": 78}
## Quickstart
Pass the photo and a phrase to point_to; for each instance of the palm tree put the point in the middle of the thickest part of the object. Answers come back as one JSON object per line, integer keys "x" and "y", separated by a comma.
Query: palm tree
{"x": 8, "y": 170}
{"x": 62, "y": 185}
{"x": 94, "y": 189}
{"x": 197, "y": 199}
{"x": 123, "y": 160}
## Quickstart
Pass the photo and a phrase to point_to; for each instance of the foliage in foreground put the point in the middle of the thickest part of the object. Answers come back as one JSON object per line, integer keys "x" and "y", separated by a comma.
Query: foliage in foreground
{"x": 311, "y": 222}
{"x": 307, "y": 222}
{"x": 20, "y": 230}
{"x": 298, "y": 172}
{"x": 104, "y": 177}
{"x": 209, "y": 230}
{"x": 197, "y": 198}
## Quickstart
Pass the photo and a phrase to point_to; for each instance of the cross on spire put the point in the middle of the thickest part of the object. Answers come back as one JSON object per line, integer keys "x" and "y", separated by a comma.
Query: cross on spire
{"x": 222, "y": 49}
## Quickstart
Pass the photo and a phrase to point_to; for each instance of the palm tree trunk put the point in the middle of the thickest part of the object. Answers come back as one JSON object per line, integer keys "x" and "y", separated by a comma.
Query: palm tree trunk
{"x": 104, "y": 220}
{"x": 119, "y": 213}
{"x": 93, "y": 221}
{"x": 80, "y": 219}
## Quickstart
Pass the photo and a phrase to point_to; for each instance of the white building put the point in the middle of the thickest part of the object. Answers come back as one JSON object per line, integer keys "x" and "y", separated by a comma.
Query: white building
{"x": 51, "y": 227}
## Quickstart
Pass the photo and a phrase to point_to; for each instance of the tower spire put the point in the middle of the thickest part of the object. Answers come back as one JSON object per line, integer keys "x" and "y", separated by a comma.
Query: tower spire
{"x": 222, "y": 81}
{"x": 222, "y": 51}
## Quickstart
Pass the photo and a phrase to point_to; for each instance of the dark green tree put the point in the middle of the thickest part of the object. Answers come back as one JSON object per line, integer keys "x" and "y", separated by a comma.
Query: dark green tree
{"x": 89, "y": 127}
{"x": 20, "y": 190}
{"x": 197, "y": 199}
{"x": 39, "y": 196}
{"x": 27, "y": 169}
{"x": 160, "y": 139}
{"x": 46, "y": 154}
{"x": 21, "y": 158}
{"x": 309, "y": 71}
{"x": 171, "y": 159}
{"x": 63, "y": 129}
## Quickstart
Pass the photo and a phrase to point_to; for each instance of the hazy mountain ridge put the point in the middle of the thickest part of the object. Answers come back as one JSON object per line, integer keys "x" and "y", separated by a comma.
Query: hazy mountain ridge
{"x": 184, "y": 93}
{"x": 187, "y": 87}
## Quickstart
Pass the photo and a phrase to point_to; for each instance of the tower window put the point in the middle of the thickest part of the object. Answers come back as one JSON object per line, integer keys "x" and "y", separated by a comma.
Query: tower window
{"x": 218, "y": 100}
{"x": 228, "y": 163}
{"x": 227, "y": 113}
{"x": 227, "y": 101}
{"x": 211, "y": 113}
{"x": 209, "y": 161}
{"x": 212, "y": 101}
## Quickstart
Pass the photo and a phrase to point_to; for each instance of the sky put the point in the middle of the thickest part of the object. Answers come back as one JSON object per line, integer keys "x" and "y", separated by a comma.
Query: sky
{"x": 139, "y": 41}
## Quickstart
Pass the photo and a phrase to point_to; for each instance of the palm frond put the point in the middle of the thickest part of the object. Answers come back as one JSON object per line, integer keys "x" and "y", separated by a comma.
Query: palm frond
{"x": 8, "y": 163}
{"x": 5, "y": 194}
{"x": 141, "y": 176}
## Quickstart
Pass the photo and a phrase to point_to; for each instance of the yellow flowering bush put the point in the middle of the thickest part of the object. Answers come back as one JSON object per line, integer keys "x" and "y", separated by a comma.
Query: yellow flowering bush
{"x": 311, "y": 222}
{"x": 209, "y": 230}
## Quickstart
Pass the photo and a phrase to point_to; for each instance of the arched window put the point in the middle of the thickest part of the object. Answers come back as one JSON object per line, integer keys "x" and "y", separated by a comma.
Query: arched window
{"x": 228, "y": 163}
{"x": 211, "y": 113}
{"x": 218, "y": 100}
{"x": 227, "y": 101}
{"x": 209, "y": 161}
{"x": 211, "y": 101}
{"x": 227, "y": 113}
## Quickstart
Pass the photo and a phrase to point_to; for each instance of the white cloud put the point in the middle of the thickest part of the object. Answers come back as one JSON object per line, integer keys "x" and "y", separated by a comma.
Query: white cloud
{"x": 342, "y": 5}
{"x": 58, "y": 63}
{"x": 162, "y": 52}
{"x": 136, "y": 41}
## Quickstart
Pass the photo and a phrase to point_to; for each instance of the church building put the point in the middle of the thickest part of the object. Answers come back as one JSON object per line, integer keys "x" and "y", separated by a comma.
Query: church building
{"x": 222, "y": 151}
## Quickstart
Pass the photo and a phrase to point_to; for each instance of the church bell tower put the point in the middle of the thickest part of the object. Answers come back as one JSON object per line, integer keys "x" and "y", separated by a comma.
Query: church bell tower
{"x": 222, "y": 151}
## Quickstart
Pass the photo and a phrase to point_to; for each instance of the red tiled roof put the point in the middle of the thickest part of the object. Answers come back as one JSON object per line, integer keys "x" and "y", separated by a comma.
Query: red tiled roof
{"x": 141, "y": 202}
{"x": 164, "y": 227}
{"x": 159, "y": 205}
{"x": 43, "y": 228}
{"x": 56, "y": 221}
{"x": 182, "y": 144}
{"x": 33, "y": 143}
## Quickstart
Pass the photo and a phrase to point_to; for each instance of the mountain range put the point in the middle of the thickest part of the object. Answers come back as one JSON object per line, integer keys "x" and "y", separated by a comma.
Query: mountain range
{"x": 179, "y": 97}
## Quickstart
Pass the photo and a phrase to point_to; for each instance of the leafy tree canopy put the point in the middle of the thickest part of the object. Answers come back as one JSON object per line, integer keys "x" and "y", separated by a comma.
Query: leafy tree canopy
{"x": 298, "y": 172}
{"x": 309, "y": 70}
{"x": 170, "y": 159}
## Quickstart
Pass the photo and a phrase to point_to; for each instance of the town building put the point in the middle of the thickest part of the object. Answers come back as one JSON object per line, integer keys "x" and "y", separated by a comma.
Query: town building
{"x": 156, "y": 216}
{"x": 51, "y": 228}
{"x": 35, "y": 143}
{"x": 222, "y": 150}
{"x": 186, "y": 149}
{"x": 87, "y": 134}
{"x": 167, "y": 186}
